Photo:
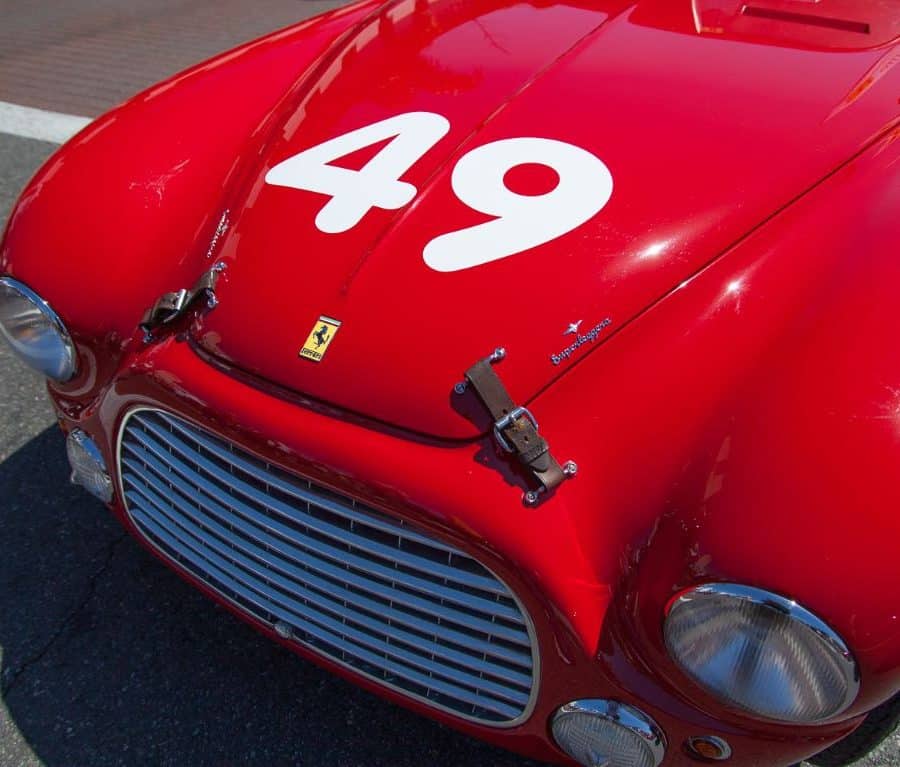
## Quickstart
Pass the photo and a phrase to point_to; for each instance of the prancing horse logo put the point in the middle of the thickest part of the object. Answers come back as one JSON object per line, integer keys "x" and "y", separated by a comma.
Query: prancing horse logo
{"x": 320, "y": 338}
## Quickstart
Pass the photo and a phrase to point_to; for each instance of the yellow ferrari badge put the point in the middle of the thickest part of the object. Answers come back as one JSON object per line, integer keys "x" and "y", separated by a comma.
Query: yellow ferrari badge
{"x": 320, "y": 338}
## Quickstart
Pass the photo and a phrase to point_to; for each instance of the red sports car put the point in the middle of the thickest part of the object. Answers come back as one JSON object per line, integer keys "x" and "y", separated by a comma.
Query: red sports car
{"x": 533, "y": 363}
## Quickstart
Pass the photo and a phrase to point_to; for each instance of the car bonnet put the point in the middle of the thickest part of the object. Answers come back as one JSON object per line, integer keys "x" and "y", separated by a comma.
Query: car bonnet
{"x": 671, "y": 142}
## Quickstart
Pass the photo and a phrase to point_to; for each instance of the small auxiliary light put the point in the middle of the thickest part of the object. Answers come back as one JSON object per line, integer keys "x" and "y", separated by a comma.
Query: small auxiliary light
{"x": 708, "y": 748}
{"x": 608, "y": 733}
{"x": 88, "y": 466}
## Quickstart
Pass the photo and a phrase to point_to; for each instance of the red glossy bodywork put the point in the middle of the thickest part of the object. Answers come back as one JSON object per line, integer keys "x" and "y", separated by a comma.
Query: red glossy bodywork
{"x": 738, "y": 421}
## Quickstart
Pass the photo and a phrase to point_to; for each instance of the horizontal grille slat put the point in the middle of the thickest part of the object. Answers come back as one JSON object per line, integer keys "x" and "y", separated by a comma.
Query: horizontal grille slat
{"x": 365, "y": 590}
{"x": 273, "y": 608}
{"x": 318, "y": 610}
{"x": 298, "y": 492}
{"x": 330, "y": 597}
{"x": 277, "y": 547}
{"x": 220, "y": 499}
{"x": 351, "y": 539}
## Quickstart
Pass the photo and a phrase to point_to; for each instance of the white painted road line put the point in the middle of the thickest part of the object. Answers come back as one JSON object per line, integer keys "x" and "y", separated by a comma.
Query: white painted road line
{"x": 39, "y": 124}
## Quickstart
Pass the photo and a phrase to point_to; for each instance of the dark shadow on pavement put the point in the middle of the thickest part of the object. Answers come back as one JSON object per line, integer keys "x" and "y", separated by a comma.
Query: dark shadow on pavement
{"x": 109, "y": 658}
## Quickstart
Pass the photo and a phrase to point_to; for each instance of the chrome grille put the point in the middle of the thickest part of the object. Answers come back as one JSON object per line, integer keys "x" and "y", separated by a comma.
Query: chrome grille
{"x": 365, "y": 590}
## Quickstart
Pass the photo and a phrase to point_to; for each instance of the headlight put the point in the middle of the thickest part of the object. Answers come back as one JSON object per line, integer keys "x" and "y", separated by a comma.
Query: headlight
{"x": 761, "y": 653}
{"x": 595, "y": 732}
{"x": 34, "y": 332}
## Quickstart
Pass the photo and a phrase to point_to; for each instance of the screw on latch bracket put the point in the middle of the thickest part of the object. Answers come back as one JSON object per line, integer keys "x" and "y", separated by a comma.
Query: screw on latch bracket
{"x": 533, "y": 497}
{"x": 498, "y": 355}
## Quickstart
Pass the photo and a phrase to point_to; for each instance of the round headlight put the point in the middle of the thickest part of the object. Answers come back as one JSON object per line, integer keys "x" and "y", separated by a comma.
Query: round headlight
{"x": 607, "y": 732}
{"x": 34, "y": 331}
{"x": 761, "y": 653}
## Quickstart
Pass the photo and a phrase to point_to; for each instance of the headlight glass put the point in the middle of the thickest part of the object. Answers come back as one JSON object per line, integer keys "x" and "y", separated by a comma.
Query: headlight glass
{"x": 761, "y": 653}
{"x": 34, "y": 331}
{"x": 607, "y": 732}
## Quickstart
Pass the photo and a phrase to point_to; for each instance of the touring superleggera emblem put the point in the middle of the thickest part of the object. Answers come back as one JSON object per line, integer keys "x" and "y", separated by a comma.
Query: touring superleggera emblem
{"x": 580, "y": 339}
{"x": 320, "y": 338}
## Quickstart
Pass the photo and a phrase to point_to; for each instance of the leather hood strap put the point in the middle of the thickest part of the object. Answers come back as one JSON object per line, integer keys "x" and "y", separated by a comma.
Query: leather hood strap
{"x": 515, "y": 428}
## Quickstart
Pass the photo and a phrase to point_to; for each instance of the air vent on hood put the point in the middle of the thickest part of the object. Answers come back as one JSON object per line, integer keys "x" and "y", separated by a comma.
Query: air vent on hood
{"x": 819, "y": 25}
{"x": 846, "y": 25}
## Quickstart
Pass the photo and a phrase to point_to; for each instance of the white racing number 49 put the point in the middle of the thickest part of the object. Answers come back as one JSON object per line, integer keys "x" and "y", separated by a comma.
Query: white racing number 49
{"x": 519, "y": 221}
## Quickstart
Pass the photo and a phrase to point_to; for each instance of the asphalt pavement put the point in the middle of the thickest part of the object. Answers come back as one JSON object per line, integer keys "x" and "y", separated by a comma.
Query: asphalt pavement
{"x": 108, "y": 658}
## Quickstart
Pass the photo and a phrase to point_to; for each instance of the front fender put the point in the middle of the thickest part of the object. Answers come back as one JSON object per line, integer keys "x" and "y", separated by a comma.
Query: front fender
{"x": 747, "y": 429}
{"x": 117, "y": 217}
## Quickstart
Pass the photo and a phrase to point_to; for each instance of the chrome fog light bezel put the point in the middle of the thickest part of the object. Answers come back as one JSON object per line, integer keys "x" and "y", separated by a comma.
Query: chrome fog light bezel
{"x": 67, "y": 361}
{"x": 620, "y": 714}
{"x": 828, "y": 640}
{"x": 84, "y": 457}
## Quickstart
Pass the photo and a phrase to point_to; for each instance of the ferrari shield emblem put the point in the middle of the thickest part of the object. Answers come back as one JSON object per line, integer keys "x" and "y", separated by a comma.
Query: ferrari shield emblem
{"x": 320, "y": 338}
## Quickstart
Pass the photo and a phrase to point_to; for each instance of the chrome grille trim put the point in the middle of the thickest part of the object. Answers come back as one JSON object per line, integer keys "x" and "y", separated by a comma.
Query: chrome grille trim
{"x": 364, "y": 590}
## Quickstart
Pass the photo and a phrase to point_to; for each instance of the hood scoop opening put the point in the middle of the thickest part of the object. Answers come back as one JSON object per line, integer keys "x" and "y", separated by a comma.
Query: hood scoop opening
{"x": 846, "y": 25}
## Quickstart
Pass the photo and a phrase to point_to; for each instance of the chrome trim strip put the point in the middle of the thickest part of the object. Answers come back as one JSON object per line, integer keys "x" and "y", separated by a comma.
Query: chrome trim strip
{"x": 330, "y": 592}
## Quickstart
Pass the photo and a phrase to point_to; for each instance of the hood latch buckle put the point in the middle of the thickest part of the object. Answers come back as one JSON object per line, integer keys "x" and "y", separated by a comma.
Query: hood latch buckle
{"x": 516, "y": 429}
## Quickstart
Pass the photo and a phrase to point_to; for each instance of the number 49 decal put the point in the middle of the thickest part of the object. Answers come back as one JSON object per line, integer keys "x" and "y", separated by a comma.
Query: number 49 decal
{"x": 520, "y": 221}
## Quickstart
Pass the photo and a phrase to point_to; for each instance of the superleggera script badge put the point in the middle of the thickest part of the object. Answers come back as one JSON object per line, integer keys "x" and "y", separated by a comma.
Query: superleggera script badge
{"x": 580, "y": 340}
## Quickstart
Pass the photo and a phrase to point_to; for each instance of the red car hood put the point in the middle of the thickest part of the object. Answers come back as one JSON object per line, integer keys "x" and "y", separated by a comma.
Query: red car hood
{"x": 704, "y": 137}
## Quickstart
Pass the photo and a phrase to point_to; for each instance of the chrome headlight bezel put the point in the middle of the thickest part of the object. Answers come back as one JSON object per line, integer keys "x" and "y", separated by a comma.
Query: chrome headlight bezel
{"x": 645, "y": 732}
{"x": 801, "y": 621}
{"x": 65, "y": 363}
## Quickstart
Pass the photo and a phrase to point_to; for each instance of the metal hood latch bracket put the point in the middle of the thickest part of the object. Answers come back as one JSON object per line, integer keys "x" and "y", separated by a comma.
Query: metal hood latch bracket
{"x": 516, "y": 430}
{"x": 170, "y": 307}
